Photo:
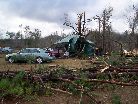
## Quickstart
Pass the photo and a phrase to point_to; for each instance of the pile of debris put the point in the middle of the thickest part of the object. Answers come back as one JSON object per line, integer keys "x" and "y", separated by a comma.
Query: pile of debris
{"x": 134, "y": 52}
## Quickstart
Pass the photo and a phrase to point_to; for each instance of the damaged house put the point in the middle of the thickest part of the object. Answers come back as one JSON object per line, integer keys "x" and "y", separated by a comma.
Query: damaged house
{"x": 76, "y": 45}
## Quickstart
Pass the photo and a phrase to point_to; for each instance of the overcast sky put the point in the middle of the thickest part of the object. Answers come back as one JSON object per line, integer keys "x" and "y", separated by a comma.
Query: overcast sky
{"x": 48, "y": 15}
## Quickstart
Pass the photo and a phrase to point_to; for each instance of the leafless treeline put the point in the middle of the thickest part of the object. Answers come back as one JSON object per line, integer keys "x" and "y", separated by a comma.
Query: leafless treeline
{"x": 104, "y": 37}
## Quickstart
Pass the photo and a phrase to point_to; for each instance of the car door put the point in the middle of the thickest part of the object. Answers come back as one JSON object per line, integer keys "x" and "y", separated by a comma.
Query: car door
{"x": 36, "y": 52}
{"x": 28, "y": 55}
{"x": 33, "y": 53}
{"x": 23, "y": 54}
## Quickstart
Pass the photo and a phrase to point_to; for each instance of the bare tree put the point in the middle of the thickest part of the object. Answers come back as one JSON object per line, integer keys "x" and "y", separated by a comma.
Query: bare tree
{"x": 32, "y": 37}
{"x": 11, "y": 35}
{"x": 133, "y": 24}
{"x": 107, "y": 13}
{"x": 69, "y": 24}
{"x": 105, "y": 24}
{"x": 99, "y": 22}
{"x": 1, "y": 34}
{"x": 35, "y": 35}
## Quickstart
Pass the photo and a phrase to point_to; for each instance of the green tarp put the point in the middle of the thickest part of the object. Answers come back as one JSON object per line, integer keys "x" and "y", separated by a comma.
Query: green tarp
{"x": 78, "y": 44}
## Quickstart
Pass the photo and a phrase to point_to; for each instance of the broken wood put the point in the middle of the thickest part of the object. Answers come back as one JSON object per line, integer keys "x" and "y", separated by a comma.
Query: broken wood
{"x": 112, "y": 82}
{"x": 59, "y": 90}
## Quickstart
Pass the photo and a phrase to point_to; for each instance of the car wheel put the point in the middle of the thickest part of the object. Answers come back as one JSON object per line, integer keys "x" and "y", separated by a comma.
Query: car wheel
{"x": 11, "y": 60}
{"x": 39, "y": 60}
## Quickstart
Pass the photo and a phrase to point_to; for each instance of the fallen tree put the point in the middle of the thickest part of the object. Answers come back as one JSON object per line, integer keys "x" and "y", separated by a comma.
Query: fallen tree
{"x": 70, "y": 81}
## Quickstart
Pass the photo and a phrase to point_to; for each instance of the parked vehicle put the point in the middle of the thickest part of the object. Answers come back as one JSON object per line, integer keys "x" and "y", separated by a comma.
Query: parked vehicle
{"x": 29, "y": 54}
{"x": 0, "y": 49}
{"x": 7, "y": 50}
{"x": 54, "y": 52}
{"x": 57, "y": 53}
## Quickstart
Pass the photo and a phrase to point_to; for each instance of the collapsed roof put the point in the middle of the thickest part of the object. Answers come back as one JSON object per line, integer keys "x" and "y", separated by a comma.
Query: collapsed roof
{"x": 75, "y": 44}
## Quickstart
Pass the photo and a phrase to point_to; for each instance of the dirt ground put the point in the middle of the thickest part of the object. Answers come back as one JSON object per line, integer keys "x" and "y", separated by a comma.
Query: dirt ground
{"x": 68, "y": 63}
{"x": 128, "y": 95}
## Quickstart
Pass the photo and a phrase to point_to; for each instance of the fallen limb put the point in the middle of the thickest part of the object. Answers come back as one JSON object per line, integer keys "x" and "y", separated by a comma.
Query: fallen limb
{"x": 111, "y": 74}
{"x": 59, "y": 90}
{"x": 122, "y": 69}
{"x": 69, "y": 81}
{"x": 111, "y": 82}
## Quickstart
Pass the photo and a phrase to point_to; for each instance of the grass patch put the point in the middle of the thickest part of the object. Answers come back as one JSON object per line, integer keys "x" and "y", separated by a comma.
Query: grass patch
{"x": 116, "y": 99}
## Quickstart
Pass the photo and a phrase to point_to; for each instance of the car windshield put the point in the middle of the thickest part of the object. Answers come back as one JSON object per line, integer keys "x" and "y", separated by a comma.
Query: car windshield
{"x": 34, "y": 51}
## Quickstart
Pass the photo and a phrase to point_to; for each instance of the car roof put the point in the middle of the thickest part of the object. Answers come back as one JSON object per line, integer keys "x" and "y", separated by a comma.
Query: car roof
{"x": 40, "y": 49}
{"x": 32, "y": 48}
{"x": 7, "y": 47}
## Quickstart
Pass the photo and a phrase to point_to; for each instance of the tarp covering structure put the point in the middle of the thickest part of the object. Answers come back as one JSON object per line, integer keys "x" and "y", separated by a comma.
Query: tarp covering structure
{"x": 76, "y": 45}
{"x": 67, "y": 39}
